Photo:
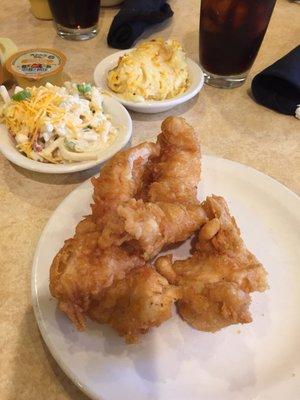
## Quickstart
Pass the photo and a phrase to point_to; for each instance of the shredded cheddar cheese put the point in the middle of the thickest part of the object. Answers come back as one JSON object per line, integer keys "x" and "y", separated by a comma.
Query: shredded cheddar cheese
{"x": 28, "y": 116}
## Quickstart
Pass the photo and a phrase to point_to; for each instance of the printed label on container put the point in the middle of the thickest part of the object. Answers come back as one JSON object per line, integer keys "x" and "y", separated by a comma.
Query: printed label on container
{"x": 33, "y": 63}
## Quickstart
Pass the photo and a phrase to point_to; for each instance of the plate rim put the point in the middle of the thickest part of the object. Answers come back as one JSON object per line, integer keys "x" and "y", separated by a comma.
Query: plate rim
{"x": 48, "y": 168}
{"x": 148, "y": 104}
{"x": 279, "y": 187}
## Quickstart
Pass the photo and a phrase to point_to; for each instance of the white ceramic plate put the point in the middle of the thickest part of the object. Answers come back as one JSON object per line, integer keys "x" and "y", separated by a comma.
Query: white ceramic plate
{"x": 120, "y": 118}
{"x": 196, "y": 82}
{"x": 257, "y": 361}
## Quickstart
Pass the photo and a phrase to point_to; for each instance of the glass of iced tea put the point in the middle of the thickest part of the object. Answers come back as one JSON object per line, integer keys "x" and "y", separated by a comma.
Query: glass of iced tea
{"x": 75, "y": 19}
{"x": 231, "y": 32}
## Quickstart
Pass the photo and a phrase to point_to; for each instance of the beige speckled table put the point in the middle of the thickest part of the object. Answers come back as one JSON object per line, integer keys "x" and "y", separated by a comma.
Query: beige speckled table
{"x": 230, "y": 124}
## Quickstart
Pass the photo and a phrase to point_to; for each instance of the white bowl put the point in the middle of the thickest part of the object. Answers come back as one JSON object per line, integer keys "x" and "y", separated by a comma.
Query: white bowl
{"x": 149, "y": 106}
{"x": 120, "y": 118}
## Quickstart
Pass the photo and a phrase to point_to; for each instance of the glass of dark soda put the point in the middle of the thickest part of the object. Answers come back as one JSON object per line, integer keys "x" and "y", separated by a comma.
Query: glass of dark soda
{"x": 231, "y": 32}
{"x": 75, "y": 19}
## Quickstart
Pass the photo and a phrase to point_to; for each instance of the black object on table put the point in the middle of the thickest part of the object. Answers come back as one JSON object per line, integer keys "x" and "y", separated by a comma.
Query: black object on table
{"x": 133, "y": 18}
{"x": 278, "y": 86}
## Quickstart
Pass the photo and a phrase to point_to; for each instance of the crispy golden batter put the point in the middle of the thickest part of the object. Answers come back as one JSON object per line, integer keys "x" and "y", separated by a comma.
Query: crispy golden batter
{"x": 217, "y": 279}
{"x": 170, "y": 211}
{"x": 151, "y": 226}
{"x": 81, "y": 271}
{"x": 175, "y": 173}
{"x": 144, "y": 200}
{"x": 120, "y": 180}
{"x": 219, "y": 304}
{"x": 141, "y": 300}
{"x": 93, "y": 275}
{"x": 228, "y": 248}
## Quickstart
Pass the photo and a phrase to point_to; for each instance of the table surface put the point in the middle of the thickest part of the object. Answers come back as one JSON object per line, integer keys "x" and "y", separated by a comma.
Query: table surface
{"x": 229, "y": 122}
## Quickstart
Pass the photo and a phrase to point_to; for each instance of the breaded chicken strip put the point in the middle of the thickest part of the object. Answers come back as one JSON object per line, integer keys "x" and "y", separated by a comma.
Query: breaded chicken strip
{"x": 209, "y": 302}
{"x": 141, "y": 300}
{"x": 120, "y": 180}
{"x": 217, "y": 279}
{"x": 151, "y": 226}
{"x": 81, "y": 271}
{"x": 91, "y": 274}
{"x": 221, "y": 237}
{"x": 170, "y": 211}
{"x": 175, "y": 173}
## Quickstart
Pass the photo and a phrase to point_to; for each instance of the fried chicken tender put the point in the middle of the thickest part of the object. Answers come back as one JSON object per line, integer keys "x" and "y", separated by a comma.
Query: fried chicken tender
{"x": 175, "y": 173}
{"x": 209, "y": 302}
{"x": 226, "y": 243}
{"x": 120, "y": 180}
{"x": 169, "y": 211}
{"x": 141, "y": 300}
{"x": 151, "y": 226}
{"x": 217, "y": 279}
{"x": 81, "y": 271}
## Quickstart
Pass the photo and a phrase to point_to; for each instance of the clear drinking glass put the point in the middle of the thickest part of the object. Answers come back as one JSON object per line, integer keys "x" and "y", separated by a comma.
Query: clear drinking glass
{"x": 231, "y": 32}
{"x": 75, "y": 19}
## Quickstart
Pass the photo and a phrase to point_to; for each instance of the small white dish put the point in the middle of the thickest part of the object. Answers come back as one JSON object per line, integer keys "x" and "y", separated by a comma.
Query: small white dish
{"x": 120, "y": 118}
{"x": 149, "y": 106}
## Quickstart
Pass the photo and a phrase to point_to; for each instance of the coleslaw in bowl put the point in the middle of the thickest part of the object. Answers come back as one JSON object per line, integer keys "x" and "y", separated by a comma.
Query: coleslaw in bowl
{"x": 119, "y": 118}
{"x": 53, "y": 124}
